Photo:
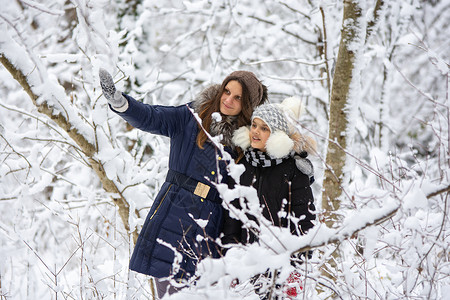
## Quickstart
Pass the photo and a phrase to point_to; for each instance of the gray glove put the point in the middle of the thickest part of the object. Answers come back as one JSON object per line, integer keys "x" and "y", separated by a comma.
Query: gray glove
{"x": 114, "y": 97}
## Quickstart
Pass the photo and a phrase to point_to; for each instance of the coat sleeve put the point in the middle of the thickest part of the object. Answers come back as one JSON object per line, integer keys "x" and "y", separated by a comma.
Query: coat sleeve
{"x": 156, "y": 119}
{"x": 302, "y": 204}
{"x": 232, "y": 228}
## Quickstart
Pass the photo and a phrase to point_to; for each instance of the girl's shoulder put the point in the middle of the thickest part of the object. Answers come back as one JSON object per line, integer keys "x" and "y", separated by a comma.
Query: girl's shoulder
{"x": 289, "y": 163}
{"x": 298, "y": 169}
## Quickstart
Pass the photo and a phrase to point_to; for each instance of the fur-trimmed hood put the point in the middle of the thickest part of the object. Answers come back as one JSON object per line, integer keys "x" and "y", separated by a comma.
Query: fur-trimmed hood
{"x": 226, "y": 126}
{"x": 207, "y": 94}
{"x": 281, "y": 143}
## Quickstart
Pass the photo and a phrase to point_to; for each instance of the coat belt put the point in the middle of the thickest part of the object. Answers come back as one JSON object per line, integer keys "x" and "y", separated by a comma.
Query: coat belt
{"x": 194, "y": 186}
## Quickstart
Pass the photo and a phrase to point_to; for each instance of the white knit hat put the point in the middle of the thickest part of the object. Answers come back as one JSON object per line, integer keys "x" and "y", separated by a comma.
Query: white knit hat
{"x": 273, "y": 116}
{"x": 280, "y": 118}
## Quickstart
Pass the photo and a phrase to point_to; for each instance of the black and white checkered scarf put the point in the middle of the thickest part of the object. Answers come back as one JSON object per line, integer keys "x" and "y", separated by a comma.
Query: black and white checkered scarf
{"x": 257, "y": 158}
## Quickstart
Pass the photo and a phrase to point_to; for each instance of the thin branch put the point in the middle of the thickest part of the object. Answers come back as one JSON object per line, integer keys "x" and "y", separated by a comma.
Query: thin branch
{"x": 376, "y": 16}
{"x": 358, "y": 161}
{"x": 438, "y": 192}
{"x": 306, "y": 15}
{"x": 417, "y": 89}
{"x": 41, "y": 8}
{"x": 25, "y": 46}
{"x": 297, "y": 78}
{"x": 8, "y": 198}
{"x": 19, "y": 154}
{"x": 17, "y": 110}
{"x": 53, "y": 141}
{"x": 283, "y": 29}
{"x": 444, "y": 217}
{"x": 325, "y": 53}
{"x": 42, "y": 261}
{"x": 287, "y": 59}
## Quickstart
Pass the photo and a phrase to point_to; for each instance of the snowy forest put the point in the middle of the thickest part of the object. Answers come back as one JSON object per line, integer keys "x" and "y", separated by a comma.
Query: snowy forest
{"x": 77, "y": 182}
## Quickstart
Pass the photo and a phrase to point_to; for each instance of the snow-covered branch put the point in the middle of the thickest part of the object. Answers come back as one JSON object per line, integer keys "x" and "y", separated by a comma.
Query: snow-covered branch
{"x": 67, "y": 120}
{"x": 322, "y": 235}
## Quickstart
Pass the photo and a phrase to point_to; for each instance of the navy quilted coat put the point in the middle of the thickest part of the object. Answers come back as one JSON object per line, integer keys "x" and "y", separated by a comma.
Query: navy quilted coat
{"x": 170, "y": 223}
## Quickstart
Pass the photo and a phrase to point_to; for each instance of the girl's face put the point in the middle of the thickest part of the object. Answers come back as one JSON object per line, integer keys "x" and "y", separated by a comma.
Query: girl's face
{"x": 259, "y": 133}
{"x": 230, "y": 102}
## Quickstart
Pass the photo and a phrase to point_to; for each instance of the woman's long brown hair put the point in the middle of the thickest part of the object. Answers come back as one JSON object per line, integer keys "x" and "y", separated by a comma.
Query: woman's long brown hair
{"x": 213, "y": 105}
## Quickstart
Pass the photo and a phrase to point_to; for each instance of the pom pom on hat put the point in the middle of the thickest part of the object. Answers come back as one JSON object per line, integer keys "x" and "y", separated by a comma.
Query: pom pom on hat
{"x": 295, "y": 106}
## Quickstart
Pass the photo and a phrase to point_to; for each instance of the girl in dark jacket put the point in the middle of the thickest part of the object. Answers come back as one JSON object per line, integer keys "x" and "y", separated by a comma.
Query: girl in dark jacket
{"x": 282, "y": 182}
{"x": 171, "y": 241}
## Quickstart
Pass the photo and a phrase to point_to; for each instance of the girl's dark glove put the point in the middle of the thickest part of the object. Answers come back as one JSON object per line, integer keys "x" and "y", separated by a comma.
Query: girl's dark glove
{"x": 114, "y": 97}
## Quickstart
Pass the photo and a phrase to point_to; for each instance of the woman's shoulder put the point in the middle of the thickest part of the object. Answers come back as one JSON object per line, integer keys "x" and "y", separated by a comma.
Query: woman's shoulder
{"x": 205, "y": 95}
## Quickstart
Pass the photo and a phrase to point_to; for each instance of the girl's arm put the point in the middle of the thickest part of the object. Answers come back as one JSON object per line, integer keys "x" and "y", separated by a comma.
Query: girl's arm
{"x": 302, "y": 202}
{"x": 232, "y": 229}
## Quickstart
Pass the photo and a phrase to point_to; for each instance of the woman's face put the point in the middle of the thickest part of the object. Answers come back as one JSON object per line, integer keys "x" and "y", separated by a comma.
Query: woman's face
{"x": 259, "y": 133}
{"x": 230, "y": 102}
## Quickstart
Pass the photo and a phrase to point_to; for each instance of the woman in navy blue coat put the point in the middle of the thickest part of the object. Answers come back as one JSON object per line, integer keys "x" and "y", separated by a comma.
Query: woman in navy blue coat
{"x": 171, "y": 242}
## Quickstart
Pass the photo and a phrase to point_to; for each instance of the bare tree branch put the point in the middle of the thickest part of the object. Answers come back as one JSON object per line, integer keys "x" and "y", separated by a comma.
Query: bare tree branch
{"x": 376, "y": 15}
{"x": 325, "y": 52}
{"x": 438, "y": 192}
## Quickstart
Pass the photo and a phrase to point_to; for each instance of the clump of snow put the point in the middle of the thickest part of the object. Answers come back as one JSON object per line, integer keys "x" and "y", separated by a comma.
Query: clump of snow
{"x": 216, "y": 116}
{"x": 200, "y": 222}
{"x": 415, "y": 198}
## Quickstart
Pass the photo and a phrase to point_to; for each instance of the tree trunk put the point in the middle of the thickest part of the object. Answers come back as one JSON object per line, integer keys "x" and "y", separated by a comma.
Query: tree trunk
{"x": 350, "y": 42}
{"x": 339, "y": 118}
